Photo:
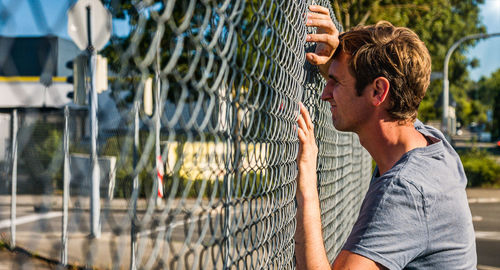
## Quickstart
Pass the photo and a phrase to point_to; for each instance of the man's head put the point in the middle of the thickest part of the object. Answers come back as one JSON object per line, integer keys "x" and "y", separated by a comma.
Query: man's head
{"x": 394, "y": 53}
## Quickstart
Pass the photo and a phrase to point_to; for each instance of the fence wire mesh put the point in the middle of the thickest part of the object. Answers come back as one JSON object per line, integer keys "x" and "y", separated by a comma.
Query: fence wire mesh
{"x": 196, "y": 145}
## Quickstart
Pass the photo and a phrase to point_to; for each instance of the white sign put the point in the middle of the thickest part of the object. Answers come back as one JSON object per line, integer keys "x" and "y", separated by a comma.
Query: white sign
{"x": 100, "y": 24}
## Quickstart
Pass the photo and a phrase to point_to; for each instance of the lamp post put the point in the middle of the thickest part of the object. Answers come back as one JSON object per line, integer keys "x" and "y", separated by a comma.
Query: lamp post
{"x": 446, "y": 82}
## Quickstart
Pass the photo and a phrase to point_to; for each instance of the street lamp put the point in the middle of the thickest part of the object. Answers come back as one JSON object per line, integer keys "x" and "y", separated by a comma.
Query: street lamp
{"x": 446, "y": 83}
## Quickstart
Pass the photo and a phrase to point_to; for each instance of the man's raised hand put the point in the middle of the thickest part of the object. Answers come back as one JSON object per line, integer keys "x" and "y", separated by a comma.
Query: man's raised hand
{"x": 308, "y": 153}
{"x": 327, "y": 37}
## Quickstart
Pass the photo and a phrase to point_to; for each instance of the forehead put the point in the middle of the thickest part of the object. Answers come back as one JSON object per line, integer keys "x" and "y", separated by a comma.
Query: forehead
{"x": 340, "y": 67}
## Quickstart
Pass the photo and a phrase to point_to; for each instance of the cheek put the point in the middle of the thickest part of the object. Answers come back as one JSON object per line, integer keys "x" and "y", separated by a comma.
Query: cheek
{"x": 336, "y": 94}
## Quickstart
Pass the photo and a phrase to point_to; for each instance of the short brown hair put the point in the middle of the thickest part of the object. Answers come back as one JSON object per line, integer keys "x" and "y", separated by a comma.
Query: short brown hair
{"x": 396, "y": 53}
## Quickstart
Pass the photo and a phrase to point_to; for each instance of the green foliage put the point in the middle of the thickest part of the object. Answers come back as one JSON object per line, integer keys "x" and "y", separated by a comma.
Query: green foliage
{"x": 39, "y": 157}
{"x": 116, "y": 146}
{"x": 488, "y": 88}
{"x": 133, "y": 59}
{"x": 495, "y": 130}
{"x": 471, "y": 111}
{"x": 439, "y": 23}
{"x": 488, "y": 92}
{"x": 428, "y": 109}
{"x": 481, "y": 168}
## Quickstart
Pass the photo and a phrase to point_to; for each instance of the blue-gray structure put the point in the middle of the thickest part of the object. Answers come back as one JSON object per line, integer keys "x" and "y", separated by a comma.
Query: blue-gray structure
{"x": 36, "y": 56}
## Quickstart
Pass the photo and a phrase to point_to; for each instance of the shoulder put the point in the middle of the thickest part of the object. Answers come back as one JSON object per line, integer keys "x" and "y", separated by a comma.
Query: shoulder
{"x": 430, "y": 130}
{"x": 434, "y": 167}
{"x": 395, "y": 190}
{"x": 396, "y": 203}
{"x": 391, "y": 228}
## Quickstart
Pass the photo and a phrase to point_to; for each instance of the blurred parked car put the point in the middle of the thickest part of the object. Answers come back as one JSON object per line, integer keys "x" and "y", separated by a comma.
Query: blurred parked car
{"x": 484, "y": 136}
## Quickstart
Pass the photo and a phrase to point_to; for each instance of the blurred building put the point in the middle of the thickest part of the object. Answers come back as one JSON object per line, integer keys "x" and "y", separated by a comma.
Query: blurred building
{"x": 33, "y": 71}
{"x": 33, "y": 76}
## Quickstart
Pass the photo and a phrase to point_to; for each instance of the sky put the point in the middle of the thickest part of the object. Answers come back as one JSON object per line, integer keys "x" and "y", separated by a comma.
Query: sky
{"x": 27, "y": 18}
{"x": 487, "y": 50}
{"x": 19, "y": 18}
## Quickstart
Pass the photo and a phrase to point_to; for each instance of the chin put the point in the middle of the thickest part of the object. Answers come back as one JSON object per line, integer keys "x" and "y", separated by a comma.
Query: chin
{"x": 338, "y": 126}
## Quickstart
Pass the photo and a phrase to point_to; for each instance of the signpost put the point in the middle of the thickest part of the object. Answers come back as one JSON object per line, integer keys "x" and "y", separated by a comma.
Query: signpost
{"x": 89, "y": 25}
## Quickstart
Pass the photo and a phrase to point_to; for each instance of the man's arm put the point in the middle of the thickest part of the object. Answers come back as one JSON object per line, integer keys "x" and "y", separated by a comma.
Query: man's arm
{"x": 309, "y": 248}
{"x": 310, "y": 251}
{"x": 353, "y": 261}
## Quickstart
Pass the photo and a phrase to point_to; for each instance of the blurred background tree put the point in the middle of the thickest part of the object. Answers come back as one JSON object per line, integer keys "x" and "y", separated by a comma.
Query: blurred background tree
{"x": 488, "y": 94}
{"x": 439, "y": 23}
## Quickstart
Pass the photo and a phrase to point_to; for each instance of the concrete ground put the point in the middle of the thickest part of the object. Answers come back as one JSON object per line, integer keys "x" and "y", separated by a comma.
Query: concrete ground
{"x": 40, "y": 234}
{"x": 19, "y": 260}
{"x": 485, "y": 208}
{"x": 484, "y": 204}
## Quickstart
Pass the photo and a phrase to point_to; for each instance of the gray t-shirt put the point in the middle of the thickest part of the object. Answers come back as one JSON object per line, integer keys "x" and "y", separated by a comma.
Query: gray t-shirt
{"x": 416, "y": 215}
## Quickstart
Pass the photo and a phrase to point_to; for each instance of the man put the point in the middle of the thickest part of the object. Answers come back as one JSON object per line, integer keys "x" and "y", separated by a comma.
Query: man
{"x": 415, "y": 213}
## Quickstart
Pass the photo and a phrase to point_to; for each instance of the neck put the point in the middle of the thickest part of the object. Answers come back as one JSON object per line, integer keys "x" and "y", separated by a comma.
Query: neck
{"x": 387, "y": 141}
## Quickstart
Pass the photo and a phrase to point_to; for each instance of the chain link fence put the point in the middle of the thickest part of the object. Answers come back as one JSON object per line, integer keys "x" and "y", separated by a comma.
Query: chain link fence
{"x": 196, "y": 141}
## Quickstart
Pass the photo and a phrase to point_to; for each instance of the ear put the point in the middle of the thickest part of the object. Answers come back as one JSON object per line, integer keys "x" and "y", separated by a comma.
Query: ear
{"x": 380, "y": 87}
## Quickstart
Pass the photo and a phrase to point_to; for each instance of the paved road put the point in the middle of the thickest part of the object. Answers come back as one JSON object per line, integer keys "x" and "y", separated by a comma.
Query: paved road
{"x": 486, "y": 218}
{"x": 485, "y": 208}
{"x": 40, "y": 233}
{"x": 484, "y": 204}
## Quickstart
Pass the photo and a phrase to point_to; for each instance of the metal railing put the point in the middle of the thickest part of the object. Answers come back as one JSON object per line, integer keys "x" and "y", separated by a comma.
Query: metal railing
{"x": 204, "y": 181}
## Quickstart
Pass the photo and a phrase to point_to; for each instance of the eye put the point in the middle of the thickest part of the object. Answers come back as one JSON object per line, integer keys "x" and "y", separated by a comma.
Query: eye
{"x": 332, "y": 83}
{"x": 332, "y": 80}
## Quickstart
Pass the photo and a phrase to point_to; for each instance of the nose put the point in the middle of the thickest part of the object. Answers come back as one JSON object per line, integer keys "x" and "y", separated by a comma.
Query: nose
{"x": 327, "y": 91}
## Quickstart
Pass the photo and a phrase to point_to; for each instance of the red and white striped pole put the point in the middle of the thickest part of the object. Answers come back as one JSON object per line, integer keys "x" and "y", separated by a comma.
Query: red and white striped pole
{"x": 160, "y": 173}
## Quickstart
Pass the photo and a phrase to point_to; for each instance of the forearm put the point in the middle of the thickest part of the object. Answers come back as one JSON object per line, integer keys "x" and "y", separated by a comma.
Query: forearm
{"x": 309, "y": 248}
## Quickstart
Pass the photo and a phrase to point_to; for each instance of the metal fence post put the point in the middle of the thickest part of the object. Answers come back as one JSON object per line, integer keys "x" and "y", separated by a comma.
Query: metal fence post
{"x": 64, "y": 237}
{"x": 95, "y": 204}
{"x": 159, "y": 201}
{"x": 232, "y": 170}
{"x": 135, "y": 189}
{"x": 227, "y": 222}
{"x": 13, "y": 196}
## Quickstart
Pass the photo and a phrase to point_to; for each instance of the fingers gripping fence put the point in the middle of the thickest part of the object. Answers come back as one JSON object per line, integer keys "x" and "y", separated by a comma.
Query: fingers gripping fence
{"x": 226, "y": 80}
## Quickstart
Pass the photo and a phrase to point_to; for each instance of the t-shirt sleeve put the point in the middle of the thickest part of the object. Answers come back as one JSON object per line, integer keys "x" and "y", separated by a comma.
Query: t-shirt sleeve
{"x": 391, "y": 228}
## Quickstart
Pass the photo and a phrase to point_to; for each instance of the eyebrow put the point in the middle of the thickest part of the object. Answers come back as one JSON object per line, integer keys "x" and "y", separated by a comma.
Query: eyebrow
{"x": 331, "y": 76}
